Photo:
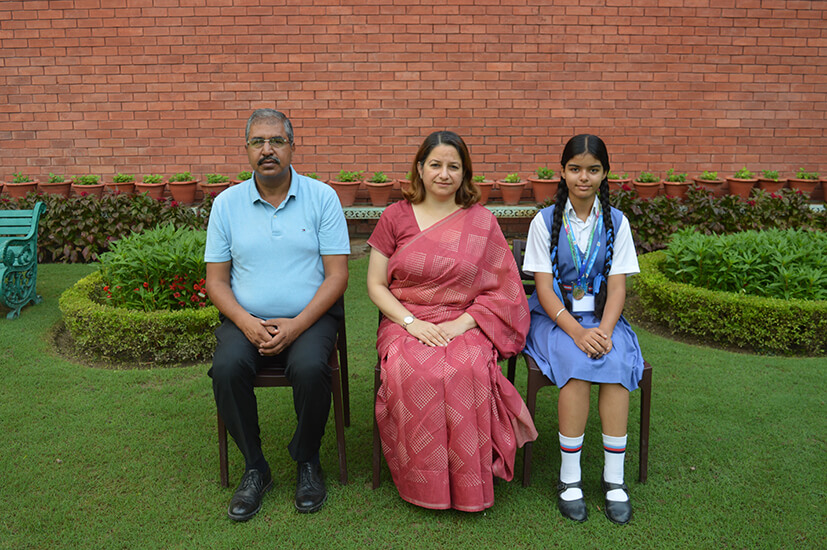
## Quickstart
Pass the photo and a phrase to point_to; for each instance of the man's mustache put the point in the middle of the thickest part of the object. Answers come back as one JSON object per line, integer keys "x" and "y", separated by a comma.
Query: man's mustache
{"x": 269, "y": 157}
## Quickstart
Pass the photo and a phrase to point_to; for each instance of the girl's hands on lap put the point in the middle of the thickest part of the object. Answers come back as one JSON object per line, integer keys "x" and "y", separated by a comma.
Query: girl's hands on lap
{"x": 593, "y": 342}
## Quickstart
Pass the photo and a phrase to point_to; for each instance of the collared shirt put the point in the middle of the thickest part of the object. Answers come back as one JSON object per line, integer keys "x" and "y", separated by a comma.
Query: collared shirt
{"x": 538, "y": 257}
{"x": 276, "y": 251}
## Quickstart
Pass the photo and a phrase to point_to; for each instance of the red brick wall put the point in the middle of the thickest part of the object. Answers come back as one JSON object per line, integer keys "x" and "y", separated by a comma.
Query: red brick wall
{"x": 146, "y": 86}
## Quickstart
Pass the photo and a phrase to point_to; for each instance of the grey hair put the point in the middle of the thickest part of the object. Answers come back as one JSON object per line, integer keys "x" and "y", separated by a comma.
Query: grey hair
{"x": 266, "y": 114}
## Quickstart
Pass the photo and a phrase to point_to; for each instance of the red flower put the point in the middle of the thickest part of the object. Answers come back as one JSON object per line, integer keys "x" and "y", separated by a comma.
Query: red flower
{"x": 181, "y": 304}
{"x": 106, "y": 288}
{"x": 177, "y": 295}
{"x": 146, "y": 285}
{"x": 202, "y": 304}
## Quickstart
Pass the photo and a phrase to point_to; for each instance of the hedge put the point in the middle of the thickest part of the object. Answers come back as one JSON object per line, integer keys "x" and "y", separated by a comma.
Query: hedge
{"x": 124, "y": 335}
{"x": 759, "y": 324}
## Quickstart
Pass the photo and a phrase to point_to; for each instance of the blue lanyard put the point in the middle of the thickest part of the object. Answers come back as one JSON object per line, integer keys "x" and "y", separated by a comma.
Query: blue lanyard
{"x": 584, "y": 264}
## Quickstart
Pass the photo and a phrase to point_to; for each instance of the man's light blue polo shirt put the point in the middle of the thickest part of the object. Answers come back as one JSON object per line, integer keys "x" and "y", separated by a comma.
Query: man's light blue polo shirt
{"x": 276, "y": 253}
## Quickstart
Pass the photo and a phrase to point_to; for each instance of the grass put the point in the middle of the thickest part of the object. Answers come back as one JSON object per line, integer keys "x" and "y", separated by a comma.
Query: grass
{"x": 101, "y": 458}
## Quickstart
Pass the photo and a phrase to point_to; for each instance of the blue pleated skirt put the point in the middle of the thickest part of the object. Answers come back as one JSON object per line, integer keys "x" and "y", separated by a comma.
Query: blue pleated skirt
{"x": 561, "y": 360}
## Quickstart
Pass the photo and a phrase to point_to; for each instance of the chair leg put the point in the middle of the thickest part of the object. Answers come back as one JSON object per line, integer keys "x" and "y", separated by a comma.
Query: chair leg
{"x": 339, "y": 418}
{"x": 531, "y": 403}
{"x": 222, "y": 452}
{"x": 645, "y": 410}
{"x": 377, "y": 442}
{"x": 512, "y": 369}
{"x": 341, "y": 343}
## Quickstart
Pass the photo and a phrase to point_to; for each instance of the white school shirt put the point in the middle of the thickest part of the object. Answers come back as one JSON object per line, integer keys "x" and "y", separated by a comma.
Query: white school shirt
{"x": 537, "y": 257}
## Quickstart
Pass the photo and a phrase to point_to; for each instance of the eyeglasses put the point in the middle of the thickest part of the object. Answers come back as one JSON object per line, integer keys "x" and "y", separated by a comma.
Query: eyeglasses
{"x": 275, "y": 142}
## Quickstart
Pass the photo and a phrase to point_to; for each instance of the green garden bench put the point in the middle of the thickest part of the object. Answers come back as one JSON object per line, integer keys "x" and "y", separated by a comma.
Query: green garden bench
{"x": 18, "y": 258}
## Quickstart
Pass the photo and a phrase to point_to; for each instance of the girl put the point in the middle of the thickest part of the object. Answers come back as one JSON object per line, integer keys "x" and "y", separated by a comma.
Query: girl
{"x": 580, "y": 251}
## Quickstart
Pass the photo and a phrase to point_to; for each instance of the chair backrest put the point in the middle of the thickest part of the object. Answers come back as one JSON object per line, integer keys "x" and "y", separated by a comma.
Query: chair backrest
{"x": 518, "y": 249}
{"x": 20, "y": 223}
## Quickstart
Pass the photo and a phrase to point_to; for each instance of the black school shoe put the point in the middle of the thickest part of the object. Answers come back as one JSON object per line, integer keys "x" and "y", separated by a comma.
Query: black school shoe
{"x": 617, "y": 512}
{"x": 572, "y": 509}
{"x": 246, "y": 501}
{"x": 310, "y": 490}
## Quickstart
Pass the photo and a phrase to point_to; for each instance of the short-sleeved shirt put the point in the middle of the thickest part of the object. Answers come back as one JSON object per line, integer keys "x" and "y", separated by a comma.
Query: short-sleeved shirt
{"x": 276, "y": 252}
{"x": 537, "y": 257}
{"x": 396, "y": 226}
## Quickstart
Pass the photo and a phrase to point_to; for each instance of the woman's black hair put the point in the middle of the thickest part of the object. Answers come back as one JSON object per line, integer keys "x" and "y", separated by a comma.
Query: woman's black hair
{"x": 593, "y": 145}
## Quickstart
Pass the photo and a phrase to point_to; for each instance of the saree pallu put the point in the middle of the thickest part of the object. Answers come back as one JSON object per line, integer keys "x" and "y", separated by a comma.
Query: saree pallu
{"x": 448, "y": 418}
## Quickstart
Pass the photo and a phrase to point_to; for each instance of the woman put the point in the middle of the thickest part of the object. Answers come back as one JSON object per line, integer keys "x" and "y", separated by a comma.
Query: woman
{"x": 452, "y": 302}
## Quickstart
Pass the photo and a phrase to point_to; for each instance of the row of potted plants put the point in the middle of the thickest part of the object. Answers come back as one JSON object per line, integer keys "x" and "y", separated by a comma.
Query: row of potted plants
{"x": 181, "y": 186}
{"x": 741, "y": 183}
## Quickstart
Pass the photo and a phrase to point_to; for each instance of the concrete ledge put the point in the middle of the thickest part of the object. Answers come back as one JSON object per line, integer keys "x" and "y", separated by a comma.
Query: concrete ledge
{"x": 499, "y": 211}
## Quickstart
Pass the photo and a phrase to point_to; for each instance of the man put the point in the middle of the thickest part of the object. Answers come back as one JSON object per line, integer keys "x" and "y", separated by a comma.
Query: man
{"x": 276, "y": 254}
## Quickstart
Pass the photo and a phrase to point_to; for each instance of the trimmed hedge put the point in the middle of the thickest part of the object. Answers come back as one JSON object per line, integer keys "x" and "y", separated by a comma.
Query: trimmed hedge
{"x": 124, "y": 335}
{"x": 763, "y": 325}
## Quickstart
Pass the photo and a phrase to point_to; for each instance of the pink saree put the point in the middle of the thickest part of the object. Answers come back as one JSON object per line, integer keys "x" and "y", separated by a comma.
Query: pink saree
{"x": 448, "y": 418}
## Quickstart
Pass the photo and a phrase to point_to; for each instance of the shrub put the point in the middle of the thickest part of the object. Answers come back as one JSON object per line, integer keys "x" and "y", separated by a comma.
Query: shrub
{"x": 88, "y": 179}
{"x": 744, "y": 174}
{"x": 647, "y": 177}
{"x": 765, "y": 325}
{"x": 479, "y": 178}
{"x": 313, "y": 175}
{"x": 79, "y": 229}
{"x": 345, "y": 176}
{"x": 512, "y": 178}
{"x": 544, "y": 173}
{"x": 162, "y": 268}
{"x": 804, "y": 175}
{"x": 780, "y": 264}
{"x": 770, "y": 174}
{"x": 379, "y": 177}
{"x": 153, "y": 178}
{"x": 671, "y": 176}
{"x": 120, "y": 334}
{"x": 217, "y": 178}
{"x": 18, "y": 177}
{"x": 244, "y": 175}
{"x": 708, "y": 176}
{"x": 123, "y": 178}
{"x": 56, "y": 178}
{"x": 181, "y": 177}
{"x": 614, "y": 176}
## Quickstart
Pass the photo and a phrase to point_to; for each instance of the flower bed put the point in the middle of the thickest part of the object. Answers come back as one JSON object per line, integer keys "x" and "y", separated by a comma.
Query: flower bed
{"x": 764, "y": 325}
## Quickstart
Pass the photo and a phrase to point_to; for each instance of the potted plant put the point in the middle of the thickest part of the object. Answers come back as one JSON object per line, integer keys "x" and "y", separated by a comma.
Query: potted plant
{"x": 770, "y": 182}
{"x": 121, "y": 183}
{"x": 804, "y": 181}
{"x": 617, "y": 180}
{"x": 675, "y": 185}
{"x": 511, "y": 187}
{"x": 19, "y": 185}
{"x": 647, "y": 185}
{"x": 215, "y": 184}
{"x": 346, "y": 184}
{"x": 182, "y": 187}
{"x": 153, "y": 185}
{"x": 55, "y": 185}
{"x": 741, "y": 183}
{"x": 87, "y": 185}
{"x": 485, "y": 187}
{"x": 244, "y": 175}
{"x": 379, "y": 188}
{"x": 710, "y": 181}
{"x": 544, "y": 186}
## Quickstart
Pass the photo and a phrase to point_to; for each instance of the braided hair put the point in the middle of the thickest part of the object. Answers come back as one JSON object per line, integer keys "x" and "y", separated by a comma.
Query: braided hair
{"x": 593, "y": 145}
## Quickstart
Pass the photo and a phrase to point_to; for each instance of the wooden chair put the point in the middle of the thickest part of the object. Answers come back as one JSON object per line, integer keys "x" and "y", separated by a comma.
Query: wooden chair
{"x": 377, "y": 441}
{"x": 18, "y": 258}
{"x": 274, "y": 377}
{"x": 537, "y": 380}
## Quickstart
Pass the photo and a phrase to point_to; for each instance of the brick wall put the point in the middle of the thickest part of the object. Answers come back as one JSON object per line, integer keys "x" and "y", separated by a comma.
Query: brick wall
{"x": 162, "y": 86}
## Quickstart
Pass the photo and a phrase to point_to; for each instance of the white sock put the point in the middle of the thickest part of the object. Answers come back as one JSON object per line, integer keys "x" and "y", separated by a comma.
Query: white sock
{"x": 570, "y": 448}
{"x": 614, "y": 454}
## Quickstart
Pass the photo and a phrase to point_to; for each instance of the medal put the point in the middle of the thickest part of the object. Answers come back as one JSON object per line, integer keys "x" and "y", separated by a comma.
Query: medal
{"x": 577, "y": 291}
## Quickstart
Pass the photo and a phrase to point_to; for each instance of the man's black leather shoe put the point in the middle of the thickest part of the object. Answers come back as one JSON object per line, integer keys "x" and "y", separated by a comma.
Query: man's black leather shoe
{"x": 246, "y": 501}
{"x": 310, "y": 490}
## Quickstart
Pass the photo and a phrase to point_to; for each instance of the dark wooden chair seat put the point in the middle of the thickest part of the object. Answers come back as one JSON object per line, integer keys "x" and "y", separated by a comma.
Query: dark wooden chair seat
{"x": 537, "y": 380}
{"x": 274, "y": 377}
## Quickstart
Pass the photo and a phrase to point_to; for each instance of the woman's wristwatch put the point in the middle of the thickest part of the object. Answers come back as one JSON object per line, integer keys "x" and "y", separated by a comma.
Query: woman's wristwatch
{"x": 407, "y": 321}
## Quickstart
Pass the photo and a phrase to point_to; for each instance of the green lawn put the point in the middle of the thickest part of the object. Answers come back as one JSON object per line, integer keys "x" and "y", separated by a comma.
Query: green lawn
{"x": 96, "y": 458}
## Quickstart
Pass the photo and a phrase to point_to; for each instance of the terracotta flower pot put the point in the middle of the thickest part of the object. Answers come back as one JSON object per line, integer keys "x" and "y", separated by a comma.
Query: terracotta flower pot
{"x": 771, "y": 186}
{"x": 95, "y": 189}
{"x": 214, "y": 188}
{"x": 61, "y": 188}
{"x": 647, "y": 190}
{"x": 346, "y": 190}
{"x": 543, "y": 189}
{"x": 677, "y": 189}
{"x": 805, "y": 186}
{"x": 380, "y": 193}
{"x": 125, "y": 187}
{"x": 154, "y": 190}
{"x": 183, "y": 191}
{"x": 485, "y": 190}
{"x": 619, "y": 183}
{"x": 511, "y": 192}
{"x": 19, "y": 190}
{"x": 741, "y": 187}
{"x": 716, "y": 187}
